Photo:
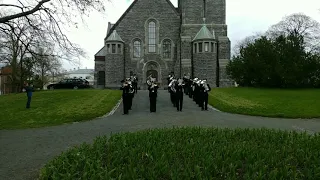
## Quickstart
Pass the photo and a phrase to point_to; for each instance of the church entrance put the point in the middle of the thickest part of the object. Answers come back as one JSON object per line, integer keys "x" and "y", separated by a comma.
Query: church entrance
{"x": 153, "y": 73}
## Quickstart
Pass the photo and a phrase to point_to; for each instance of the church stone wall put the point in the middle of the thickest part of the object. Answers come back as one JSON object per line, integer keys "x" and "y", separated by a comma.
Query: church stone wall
{"x": 193, "y": 29}
{"x": 134, "y": 26}
{"x": 192, "y": 11}
{"x": 98, "y": 66}
{"x": 216, "y": 11}
{"x": 114, "y": 70}
{"x": 205, "y": 67}
{"x": 186, "y": 57}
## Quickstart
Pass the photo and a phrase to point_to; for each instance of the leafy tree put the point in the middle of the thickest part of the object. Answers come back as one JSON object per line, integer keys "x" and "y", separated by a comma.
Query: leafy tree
{"x": 281, "y": 58}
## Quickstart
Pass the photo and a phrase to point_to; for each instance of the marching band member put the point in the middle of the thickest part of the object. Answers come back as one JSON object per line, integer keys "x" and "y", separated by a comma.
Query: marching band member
{"x": 184, "y": 87}
{"x": 172, "y": 91}
{"x": 135, "y": 83}
{"x": 205, "y": 95}
{"x": 194, "y": 88}
{"x": 198, "y": 93}
{"x": 153, "y": 93}
{"x": 179, "y": 94}
{"x": 131, "y": 94}
{"x": 125, "y": 96}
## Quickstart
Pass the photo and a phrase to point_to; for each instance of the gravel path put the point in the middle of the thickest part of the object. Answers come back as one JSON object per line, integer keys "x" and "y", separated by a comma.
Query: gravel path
{"x": 24, "y": 152}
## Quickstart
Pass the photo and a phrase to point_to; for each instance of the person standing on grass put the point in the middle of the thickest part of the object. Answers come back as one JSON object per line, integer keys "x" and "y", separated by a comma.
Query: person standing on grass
{"x": 29, "y": 90}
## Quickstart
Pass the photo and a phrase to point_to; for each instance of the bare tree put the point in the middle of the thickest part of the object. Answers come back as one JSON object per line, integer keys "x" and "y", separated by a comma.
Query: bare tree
{"x": 48, "y": 18}
{"x": 45, "y": 65}
{"x": 298, "y": 24}
{"x": 13, "y": 50}
{"x": 245, "y": 42}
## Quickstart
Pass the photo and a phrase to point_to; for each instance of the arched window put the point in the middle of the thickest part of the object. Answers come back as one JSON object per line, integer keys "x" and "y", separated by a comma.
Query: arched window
{"x": 136, "y": 49}
{"x": 152, "y": 36}
{"x": 166, "y": 48}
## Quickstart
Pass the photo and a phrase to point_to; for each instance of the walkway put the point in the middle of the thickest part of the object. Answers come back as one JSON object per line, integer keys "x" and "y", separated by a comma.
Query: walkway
{"x": 23, "y": 152}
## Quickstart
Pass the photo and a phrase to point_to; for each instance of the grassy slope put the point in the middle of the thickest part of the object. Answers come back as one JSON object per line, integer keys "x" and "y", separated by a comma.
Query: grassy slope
{"x": 300, "y": 103}
{"x": 55, "y": 107}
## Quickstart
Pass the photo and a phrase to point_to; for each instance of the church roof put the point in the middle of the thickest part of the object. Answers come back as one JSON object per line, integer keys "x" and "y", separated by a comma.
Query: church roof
{"x": 204, "y": 33}
{"x": 114, "y": 37}
{"x": 129, "y": 8}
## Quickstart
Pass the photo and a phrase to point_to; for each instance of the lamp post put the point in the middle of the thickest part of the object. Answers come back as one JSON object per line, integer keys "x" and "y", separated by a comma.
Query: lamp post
{"x": 217, "y": 64}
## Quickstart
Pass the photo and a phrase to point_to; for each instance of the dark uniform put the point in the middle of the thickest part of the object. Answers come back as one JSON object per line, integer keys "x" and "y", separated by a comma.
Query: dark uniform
{"x": 126, "y": 98}
{"x": 179, "y": 96}
{"x": 190, "y": 88}
{"x": 153, "y": 90}
{"x": 205, "y": 96}
{"x": 131, "y": 95}
{"x": 173, "y": 93}
{"x": 185, "y": 88}
{"x": 195, "y": 93}
{"x": 135, "y": 84}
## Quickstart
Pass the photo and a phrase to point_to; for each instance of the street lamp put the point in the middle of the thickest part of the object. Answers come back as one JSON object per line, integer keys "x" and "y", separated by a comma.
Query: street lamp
{"x": 217, "y": 64}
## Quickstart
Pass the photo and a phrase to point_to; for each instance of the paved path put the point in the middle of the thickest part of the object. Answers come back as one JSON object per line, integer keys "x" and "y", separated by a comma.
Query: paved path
{"x": 23, "y": 152}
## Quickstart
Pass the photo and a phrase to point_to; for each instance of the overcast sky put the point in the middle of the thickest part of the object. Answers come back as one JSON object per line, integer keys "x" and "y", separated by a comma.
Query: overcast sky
{"x": 244, "y": 17}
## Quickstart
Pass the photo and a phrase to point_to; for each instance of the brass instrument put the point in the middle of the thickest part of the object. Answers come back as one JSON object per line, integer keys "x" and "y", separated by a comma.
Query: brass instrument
{"x": 180, "y": 82}
{"x": 171, "y": 85}
{"x": 149, "y": 82}
{"x": 206, "y": 87}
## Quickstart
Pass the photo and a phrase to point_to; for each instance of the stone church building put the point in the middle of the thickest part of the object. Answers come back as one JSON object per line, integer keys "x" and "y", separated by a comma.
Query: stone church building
{"x": 155, "y": 38}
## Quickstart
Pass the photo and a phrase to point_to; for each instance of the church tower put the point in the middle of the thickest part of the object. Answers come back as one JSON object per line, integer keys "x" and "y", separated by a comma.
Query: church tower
{"x": 114, "y": 60}
{"x": 204, "y": 59}
{"x": 203, "y": 27}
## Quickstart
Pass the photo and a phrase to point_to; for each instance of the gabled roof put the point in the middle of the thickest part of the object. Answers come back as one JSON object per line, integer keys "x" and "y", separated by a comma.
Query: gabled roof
{"x": 102, "y": 51}
{"x": 114, "y": 37}
{"x": 129, "y": 8}
{"x": 203, "y": 34}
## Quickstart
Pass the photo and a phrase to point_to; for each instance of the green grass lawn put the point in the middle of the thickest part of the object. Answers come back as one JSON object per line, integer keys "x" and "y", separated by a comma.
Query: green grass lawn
{"x": 55, "y": 107}
{"x": 192, "y": 153}
{"x": 297, "y": 103}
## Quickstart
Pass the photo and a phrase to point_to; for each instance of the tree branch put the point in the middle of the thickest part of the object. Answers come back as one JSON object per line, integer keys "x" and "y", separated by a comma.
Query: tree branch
{"x": 22, "y": 14}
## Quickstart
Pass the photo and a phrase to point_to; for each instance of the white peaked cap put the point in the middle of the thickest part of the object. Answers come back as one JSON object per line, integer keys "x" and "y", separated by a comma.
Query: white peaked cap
{"x": 202, "y": 82}
{"x": 198, "y": 81}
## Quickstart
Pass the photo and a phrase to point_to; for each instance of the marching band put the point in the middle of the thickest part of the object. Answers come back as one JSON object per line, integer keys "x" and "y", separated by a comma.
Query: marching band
{"x": 196, "y": 89}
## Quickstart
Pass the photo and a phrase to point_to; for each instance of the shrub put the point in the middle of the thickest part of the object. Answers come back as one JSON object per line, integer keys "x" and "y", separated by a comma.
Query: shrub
{"x": 192, "y": 153}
